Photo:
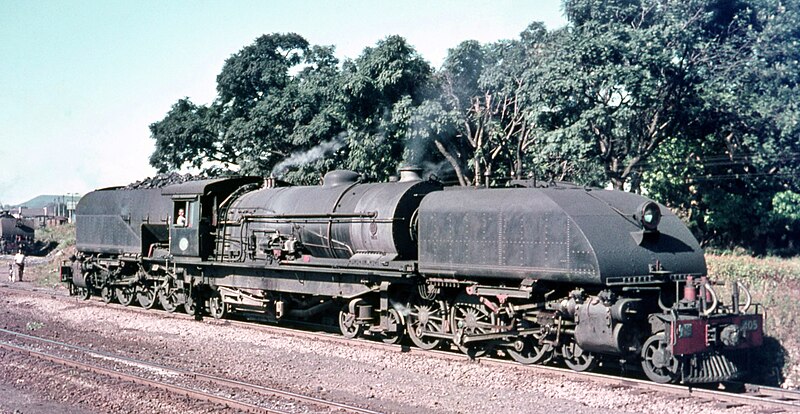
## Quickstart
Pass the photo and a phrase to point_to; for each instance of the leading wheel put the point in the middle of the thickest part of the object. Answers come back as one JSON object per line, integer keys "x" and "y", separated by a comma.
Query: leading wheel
{"x": 82, "y": 293}
{"x": 424, "y": 317}
{"x": 347, "y": 323}
{"x": 658, "y": 362}
{"x": 85, "y": 293}
{"x": 528, "y": 350}
{"x": 576, "y": 358}
{"x": 469, "y": 317}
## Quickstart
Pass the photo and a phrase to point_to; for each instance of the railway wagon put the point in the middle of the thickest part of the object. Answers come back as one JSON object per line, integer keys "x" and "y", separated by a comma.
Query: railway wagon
{"x": 562, "y": 273}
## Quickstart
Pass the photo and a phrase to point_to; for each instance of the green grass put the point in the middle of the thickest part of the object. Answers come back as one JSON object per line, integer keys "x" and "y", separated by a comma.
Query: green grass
{"x": 755, "y": 271}
{"x": 58, "y": 243}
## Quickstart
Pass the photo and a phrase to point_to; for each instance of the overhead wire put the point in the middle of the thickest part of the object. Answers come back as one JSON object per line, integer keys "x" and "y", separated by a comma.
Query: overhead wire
{"x": 723, "y": 160}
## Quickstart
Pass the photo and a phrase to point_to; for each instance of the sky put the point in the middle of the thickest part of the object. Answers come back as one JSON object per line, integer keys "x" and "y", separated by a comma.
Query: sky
{"x": 81, "y": 81}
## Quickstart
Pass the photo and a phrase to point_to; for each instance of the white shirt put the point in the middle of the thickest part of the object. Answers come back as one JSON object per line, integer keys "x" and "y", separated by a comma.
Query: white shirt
{"x": 19, "y": 258}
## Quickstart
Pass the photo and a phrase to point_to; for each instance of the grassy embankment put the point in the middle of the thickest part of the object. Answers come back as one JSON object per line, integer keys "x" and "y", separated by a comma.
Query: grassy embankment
{"x": 59, "y": 243}
{"x": 773, "y": 282}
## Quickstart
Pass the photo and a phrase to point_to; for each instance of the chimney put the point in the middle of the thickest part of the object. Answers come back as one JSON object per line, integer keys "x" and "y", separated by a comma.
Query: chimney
{"x": 410, "y": 173}
{"x": 269, "y": 182}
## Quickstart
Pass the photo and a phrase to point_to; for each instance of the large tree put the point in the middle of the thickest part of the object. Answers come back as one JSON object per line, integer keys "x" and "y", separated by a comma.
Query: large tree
{"x": 287, "y": 108}
{"x": 380, "y": 89}
{"x": 275, "y": 97}
{"x": 620, "y": 80}
{"x": 734, "y": 179}
{"x": 692, "y": 101}
{"x": 483, "y": 117}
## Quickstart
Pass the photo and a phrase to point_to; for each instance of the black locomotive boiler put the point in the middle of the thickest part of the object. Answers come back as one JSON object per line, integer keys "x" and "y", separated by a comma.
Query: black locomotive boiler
{"x": 566, "y": 273}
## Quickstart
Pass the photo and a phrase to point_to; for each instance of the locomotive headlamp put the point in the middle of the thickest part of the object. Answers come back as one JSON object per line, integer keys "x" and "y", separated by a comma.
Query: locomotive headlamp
{"x": 649, "y": 215}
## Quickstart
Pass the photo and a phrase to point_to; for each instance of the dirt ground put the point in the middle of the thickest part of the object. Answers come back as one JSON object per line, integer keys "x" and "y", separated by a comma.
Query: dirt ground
{"x": 18, "y": 401}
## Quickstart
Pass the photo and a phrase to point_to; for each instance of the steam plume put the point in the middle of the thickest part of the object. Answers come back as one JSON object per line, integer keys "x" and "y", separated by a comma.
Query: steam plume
{"x": 313, "y": 154}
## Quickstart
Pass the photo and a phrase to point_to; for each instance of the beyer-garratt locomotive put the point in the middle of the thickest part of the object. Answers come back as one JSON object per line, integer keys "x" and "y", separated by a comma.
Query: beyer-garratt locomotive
{"x": 561, "y": 272}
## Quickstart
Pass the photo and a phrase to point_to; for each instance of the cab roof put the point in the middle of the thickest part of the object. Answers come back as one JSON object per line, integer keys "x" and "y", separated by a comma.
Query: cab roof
{"x": 209, "y": 186}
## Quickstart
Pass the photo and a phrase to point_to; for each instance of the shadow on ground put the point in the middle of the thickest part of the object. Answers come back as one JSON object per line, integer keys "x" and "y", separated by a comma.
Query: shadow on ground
{"x": 766, "y": 366}
{"x": 41, "y": 248}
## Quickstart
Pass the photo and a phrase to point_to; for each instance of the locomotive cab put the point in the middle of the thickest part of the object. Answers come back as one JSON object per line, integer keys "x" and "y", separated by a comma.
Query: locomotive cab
{"x": 185, "y": 228}
{"x": 195, "y": 207}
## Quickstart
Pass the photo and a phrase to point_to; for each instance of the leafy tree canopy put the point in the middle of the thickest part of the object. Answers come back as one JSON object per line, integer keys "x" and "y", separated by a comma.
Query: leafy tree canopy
{"x": 694, "y": 102}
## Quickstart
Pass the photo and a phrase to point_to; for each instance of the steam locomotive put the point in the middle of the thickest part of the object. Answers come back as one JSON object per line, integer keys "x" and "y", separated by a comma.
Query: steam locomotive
{"x": 15, "y": 234}
{"x": 555, "y": 273}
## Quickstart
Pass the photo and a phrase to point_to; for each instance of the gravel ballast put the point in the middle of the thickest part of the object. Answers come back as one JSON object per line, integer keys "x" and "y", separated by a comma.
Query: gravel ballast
{"x": 372, "y": 378}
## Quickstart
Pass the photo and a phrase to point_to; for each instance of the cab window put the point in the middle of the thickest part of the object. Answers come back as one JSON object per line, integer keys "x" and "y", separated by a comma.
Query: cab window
{"x": 181, "y": 214}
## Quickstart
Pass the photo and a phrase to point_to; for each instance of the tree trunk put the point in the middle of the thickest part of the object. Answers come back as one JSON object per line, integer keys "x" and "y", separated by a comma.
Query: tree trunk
{"x": 453, "y": 161}
{"x": 618, "y": 183}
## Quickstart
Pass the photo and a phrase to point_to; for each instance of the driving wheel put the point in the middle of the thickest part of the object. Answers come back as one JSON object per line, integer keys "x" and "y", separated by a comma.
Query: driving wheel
{"x": 146, "y": 297}
{"x": 470, "y": 317}
{"x": 169, "y": 300}
{"x": 125, "y": 295}
{"x": 424, "y": 317}
{"x": 107, "y": 293}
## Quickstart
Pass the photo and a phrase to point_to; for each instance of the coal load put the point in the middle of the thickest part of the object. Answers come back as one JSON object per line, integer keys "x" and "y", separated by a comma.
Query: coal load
{"x": 163, "y": 180}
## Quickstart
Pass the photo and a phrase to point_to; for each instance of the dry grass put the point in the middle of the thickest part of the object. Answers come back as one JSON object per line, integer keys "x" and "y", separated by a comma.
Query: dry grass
{"x": 775, "y": 284}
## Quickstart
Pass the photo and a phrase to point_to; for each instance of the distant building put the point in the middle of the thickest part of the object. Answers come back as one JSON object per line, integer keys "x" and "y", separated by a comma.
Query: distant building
{"x": 42, "y": 217}
{"x": 47, "y": 211}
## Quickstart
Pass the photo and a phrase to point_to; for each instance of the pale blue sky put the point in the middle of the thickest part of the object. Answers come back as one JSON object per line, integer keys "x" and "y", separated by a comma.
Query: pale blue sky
{"x": 80, "y": 81}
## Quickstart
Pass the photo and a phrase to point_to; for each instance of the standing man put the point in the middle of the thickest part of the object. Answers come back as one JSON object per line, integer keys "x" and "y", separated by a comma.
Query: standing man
{"x": 19, "y": 262}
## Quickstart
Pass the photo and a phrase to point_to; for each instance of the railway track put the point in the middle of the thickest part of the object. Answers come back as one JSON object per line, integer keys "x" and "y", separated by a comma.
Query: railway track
{"x": 194, "y": 392}
{"x": 770, "y": 399}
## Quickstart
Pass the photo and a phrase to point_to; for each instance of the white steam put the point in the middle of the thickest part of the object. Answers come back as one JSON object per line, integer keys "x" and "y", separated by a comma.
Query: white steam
{"x": 313, "y": 154}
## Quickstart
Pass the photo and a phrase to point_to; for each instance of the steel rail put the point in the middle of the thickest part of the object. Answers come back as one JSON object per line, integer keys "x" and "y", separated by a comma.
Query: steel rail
{"x": 196, "y": 375}
{"x": 753, "y": 395}
{"x": 767, "y": 397}
{"x": 177, "y": 389}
